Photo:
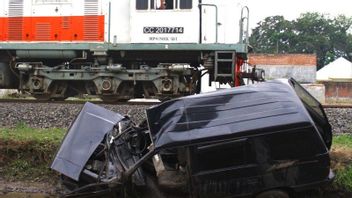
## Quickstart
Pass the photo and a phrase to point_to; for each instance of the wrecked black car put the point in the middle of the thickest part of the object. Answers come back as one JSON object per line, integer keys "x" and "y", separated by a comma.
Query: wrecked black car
{"x": 270, "y": 139}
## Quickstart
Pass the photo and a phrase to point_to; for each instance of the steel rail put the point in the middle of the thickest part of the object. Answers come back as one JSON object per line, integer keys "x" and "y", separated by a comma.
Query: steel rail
{"x": 77, "y": 102}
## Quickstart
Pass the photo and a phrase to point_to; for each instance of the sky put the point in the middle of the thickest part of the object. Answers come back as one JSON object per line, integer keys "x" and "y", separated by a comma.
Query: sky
{"x": 291, "y": 9}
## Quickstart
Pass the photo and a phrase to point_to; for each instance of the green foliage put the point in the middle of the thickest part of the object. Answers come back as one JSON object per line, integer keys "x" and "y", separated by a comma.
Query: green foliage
{"x": 20, "y": 169}
{"x": 343, "y": 169}
{"x": 343, "y": 178}
{"x": 310, "y": 33}
{"x": 273, "y": 35}
{"x": 26, "y": 152}
{"x": 24, "y": 133}
{"x": 344, "y": 140}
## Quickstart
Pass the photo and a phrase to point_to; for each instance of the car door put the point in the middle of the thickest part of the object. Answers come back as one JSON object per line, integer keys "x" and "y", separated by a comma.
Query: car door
{"x": 223, "y": 169}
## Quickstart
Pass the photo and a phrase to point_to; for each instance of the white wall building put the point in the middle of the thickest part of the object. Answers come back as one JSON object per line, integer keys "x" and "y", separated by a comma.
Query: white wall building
{"x": 338, "y": 70}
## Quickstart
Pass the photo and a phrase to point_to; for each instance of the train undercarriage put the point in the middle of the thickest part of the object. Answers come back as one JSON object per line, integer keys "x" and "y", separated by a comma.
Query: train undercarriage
{"x": 117, "y": 75}
{"x": 100, "y": 47}
{"x": 110, "y": 82}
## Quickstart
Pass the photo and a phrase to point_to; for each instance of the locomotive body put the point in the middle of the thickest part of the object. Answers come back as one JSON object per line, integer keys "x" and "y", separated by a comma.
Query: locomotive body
{"x": 119, "y": 49}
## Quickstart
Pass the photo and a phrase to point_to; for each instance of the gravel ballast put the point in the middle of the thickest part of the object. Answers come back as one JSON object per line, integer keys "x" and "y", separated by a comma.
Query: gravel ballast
{"x": 48, "y": 115}
{"x": 340, "y": 119}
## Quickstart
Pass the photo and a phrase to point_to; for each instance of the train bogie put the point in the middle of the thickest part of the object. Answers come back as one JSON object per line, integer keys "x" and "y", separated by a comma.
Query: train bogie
{"x": 117, "y": 49}
{"x": 7, "y": 77}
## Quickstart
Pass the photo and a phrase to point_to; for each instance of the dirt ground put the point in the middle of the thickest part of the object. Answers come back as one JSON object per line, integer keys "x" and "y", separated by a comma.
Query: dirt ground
{"x": 27, "y": 189}
{"x": 45, "y": 190}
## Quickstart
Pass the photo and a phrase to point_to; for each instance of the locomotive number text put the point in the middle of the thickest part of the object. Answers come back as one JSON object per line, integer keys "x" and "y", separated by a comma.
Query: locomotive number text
{"x": 163, "y": 30}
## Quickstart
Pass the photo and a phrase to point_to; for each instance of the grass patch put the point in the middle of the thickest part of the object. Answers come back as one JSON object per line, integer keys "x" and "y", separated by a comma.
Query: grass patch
{"x": 341, "y": 160}
{"x": 344, "y": 140}
{"x": 26, "y": 153}
{"x": 343, "y": 178}
{"x": 24, "y": 133}
{"x": 23, "y": 170}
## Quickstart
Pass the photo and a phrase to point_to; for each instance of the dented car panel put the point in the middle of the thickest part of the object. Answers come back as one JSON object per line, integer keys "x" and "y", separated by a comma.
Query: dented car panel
{"x": 226, "y": 114}
{"x": 280, "y": 159}
{"x": 229, "y": 143}
{"x": 83, "y": 138}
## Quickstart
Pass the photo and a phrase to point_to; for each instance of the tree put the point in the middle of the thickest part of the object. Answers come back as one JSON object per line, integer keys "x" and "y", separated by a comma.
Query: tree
{"x": 310, "y": 33}
{"x": 314, "y": 35}
{"x": 342, "y": 45}
{"x": 273, "y": 35}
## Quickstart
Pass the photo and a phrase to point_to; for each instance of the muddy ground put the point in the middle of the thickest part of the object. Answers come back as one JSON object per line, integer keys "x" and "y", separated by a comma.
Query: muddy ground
{"x": 27, "y": 189}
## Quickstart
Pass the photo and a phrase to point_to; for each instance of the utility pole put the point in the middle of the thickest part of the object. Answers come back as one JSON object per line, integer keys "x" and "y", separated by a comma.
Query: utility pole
{"x": 277, "y": 46}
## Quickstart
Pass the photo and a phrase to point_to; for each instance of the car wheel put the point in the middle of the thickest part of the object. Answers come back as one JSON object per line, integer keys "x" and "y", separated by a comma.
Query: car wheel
{"x": 262, "y": 75}
{"x": 273, "y": 194}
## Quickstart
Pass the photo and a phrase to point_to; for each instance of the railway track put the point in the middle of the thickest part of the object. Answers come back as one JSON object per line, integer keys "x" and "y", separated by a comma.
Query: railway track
{"x": 131, "y": 102}
{"x": 341, "y": 106}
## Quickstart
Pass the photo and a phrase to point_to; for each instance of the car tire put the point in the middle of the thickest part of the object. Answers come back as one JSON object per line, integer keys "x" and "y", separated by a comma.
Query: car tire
{"x": 262, "y": 75}
{"x": 273, "y": 194}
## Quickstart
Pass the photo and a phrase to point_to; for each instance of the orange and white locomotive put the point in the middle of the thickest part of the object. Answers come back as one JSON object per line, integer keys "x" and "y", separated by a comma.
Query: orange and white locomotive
{"x": 119, "y": 49}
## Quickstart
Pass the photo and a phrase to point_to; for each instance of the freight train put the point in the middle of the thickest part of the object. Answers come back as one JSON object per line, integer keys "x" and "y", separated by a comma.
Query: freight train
{"x": 120, "y": 49}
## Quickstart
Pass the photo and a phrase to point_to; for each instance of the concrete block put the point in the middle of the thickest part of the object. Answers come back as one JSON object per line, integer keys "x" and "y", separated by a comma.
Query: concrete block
{"x": 302, "y": 74}
{"x": 317, "y": 91}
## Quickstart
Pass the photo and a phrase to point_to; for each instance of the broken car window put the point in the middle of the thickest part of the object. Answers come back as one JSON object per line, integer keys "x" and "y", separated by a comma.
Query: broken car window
{"x": 163, "y": 4}
{"x": 185, "y": 4}
{"x": 142, "y": 4}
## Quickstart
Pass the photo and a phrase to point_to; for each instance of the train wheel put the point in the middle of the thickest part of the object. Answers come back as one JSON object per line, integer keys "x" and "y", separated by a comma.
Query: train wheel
{"x": 57, "y": 91}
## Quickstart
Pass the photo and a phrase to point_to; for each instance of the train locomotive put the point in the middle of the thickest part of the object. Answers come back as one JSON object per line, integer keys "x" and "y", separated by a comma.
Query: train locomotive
{"x": 118, "y": 50}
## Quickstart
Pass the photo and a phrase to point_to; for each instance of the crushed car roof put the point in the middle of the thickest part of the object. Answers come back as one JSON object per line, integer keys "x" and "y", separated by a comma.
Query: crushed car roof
{"x": 230, "y": 113}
